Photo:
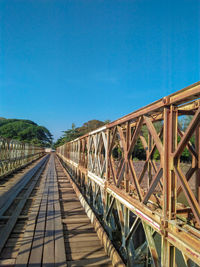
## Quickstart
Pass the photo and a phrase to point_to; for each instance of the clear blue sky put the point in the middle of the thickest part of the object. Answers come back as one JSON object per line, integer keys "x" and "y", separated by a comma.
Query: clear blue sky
{"x": 64, "y": 61}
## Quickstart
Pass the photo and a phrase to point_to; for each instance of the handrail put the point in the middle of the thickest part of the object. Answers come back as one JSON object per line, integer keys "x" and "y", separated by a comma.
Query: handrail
{"x": 151, "y": 191}
{"x": 15, "y": 154}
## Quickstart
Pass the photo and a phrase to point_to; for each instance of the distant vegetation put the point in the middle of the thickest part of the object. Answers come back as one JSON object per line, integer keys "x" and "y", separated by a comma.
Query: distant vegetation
{"x": 26, "y": 131}
{"x": 76, "y": 132}
{"x": 140, "y": 153}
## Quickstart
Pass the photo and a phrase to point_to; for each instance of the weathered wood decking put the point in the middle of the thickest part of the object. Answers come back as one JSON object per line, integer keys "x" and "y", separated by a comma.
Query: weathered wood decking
{"x": 51, "y": 231}
{"x": 83, "y": 247}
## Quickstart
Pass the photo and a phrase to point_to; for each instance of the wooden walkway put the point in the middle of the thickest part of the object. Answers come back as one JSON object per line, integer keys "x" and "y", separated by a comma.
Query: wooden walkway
{"x": 83, "y": 247}
{"x": 53, "y": 229}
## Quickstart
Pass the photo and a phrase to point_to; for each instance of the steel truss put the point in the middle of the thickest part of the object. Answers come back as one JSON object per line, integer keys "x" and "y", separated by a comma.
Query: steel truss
{"x": 152, "y": 214}
{"x": 15, "y": 154}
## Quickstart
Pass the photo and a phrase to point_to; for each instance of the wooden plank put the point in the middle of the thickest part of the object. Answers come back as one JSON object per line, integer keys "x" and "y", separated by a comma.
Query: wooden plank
{"x": 7, "y": 262}
{"x": 81, "y": 226}
{"x": 25, "y": 248}
{"x": 76, "y": 220}
{"x": 82, "y": 248}
{"x": 5, "y": 232}
{"x": 81, "y": 244}
{"x": 38, "y": 239}
{"x": 60, "y": 256}
{"x": 80, "y": 231}
{"x": 9, "y": 252}
{"x": 77, "y": 235}
{"x": 79, "y": 238}
{"x": 72, "y": 207}
{"x": 49, "y": 249}
{"x": 93, "y": 253}
{"x": 10, "y": 195}
{"x": 78, "y": 212}
{"x": 81, "y": 241}
{"x": 67, "y": 200}
{"x": 96, "y": 261}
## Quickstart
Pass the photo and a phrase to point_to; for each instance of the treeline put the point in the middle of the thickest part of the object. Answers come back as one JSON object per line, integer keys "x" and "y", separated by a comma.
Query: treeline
{"x": 26, "y": 131}
{"x": 76, "y": 132}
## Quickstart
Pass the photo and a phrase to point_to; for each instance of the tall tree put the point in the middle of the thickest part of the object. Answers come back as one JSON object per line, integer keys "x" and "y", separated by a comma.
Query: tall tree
{"x": 74, "y": 132}
{"x": 26, "y": 131}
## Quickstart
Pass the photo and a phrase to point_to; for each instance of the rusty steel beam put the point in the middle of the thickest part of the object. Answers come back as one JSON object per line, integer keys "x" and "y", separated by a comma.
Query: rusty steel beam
{"x": 157, "y": 194}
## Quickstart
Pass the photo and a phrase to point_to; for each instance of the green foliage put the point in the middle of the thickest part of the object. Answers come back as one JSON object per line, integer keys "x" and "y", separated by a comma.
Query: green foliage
{"x": 26, "y": 131}
{"x": 59, "y": 142}
{"x": 186, "y": 156}
{"x": 184, "y": 123}
{"x": 117, "y": 152}
{"x": 74, "y": 132}
{"x": 139, "y": 151}
{"x": 107, "y": 121}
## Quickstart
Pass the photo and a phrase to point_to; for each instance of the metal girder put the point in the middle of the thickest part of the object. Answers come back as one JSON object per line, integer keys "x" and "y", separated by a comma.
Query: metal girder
{"x": 160, "y": 194}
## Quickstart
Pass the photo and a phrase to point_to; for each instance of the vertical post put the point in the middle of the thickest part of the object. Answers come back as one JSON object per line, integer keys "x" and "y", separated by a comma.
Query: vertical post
{"x": 173, "y": 146}
{"x": 169, "y": 183}
{"x": 88, "y": 153}
{"x": 126, "y": 157}
{"x": 149, "y": 163}
{"x": 165, "y": 244}
{"x": 78, "y": 152}
{"x": 106, "y": 196}
{"x": 197, "y": 146}
{"x": 107, "y": 156}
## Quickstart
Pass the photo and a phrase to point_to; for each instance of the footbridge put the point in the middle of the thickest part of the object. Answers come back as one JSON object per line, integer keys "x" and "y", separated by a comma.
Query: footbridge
{"x": 96, "y": 203}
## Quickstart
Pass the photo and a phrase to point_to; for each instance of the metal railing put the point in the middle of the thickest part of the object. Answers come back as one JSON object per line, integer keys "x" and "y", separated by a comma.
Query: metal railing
{"x": 15, "y": 154}
{"x": 150, "y": 208}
